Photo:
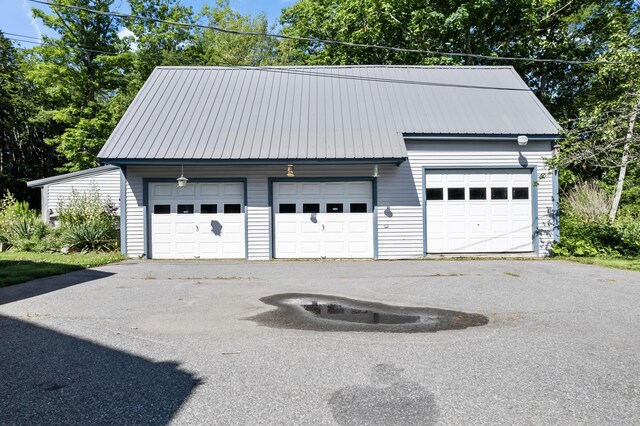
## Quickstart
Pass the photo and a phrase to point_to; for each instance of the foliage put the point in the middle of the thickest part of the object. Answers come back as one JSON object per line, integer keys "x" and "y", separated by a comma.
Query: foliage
{"x": 217, "y": 48}
{"x": 597, "y": 238}
{"x": 588, "y": 201}
{"x": 18, "y": 267}
{"x": 88, "y": 222}
{"x": 20, "y": 227}
{"x": 76, "y": 76}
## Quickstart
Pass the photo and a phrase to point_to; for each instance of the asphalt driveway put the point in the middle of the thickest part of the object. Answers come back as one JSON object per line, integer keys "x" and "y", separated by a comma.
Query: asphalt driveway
{"x": 152, "y": 342}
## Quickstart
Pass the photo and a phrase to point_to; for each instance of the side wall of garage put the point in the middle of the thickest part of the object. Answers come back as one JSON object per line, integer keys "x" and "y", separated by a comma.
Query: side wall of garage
{"x": 400, "y": 211}
{"x": 107, "y": 183}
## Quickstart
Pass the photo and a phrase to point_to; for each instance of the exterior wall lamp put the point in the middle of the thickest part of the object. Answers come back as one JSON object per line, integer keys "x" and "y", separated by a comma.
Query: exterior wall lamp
{"x": 522, "y": 140}
{"x": 182, "y": 181}
{"x": 290, "y": 172}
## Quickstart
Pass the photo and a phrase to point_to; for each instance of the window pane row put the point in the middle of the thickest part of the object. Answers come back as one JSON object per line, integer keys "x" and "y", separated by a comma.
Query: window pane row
{"x": 455, "y": 194}
{"x": 315, "y": 208}
{"x": 189, "y": 208}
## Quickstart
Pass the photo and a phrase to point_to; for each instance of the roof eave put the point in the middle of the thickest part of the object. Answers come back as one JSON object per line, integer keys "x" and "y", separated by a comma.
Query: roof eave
{"x": 464, "y": 137}
{"x": 39, "y": 183}
{"x": 250, "y": 161}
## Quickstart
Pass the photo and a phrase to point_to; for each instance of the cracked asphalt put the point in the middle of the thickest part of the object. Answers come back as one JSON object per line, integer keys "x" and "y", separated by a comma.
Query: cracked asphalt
{"x": 154, "y": 342}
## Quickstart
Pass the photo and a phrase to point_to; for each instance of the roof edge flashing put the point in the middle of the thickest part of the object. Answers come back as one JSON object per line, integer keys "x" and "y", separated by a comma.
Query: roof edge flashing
{"x": 39, "y": 183}
{"x": 252, "y": 162}
{"x": 416, "y": 137}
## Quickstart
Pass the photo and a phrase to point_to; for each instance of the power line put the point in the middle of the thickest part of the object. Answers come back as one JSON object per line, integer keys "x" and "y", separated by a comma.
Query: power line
{"x": 43, "y": 43}
{"x": 328, "y": 41}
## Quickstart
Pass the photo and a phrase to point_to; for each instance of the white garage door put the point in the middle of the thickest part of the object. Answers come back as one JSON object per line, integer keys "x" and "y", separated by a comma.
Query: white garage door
{"x": 202, "y": 220}
{"x": 478, "y": 211}
{"x": 323, "y": 219}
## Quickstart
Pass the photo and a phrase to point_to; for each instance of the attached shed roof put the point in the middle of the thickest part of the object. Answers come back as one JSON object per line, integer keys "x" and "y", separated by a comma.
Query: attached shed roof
{"x": 70, "y": 176}
{"x": 317, "y": 113}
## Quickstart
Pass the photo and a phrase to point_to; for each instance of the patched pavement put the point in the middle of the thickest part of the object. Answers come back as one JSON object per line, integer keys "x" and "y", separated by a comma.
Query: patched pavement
{"x": 152, "y": 342}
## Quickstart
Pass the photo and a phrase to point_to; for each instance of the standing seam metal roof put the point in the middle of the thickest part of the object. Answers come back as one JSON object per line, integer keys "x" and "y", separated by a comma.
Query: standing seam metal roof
{"x": 318, "y": 113}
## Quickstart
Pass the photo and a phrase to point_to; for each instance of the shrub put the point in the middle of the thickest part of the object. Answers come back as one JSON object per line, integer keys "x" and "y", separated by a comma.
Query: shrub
{"x": 20, "y": 226}
{"x": 88, "y": 222}
{"x": 597, "y": 238}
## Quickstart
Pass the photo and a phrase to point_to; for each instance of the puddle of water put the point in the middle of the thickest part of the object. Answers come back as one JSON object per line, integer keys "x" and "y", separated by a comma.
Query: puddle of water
{"x": 328, "y": 313}
{"x": 336, "y": 312}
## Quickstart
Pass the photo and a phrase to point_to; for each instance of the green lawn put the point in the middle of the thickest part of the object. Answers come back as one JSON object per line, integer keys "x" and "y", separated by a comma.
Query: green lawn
{"x": 18, "y": 267}
{"x": 631, "y": 263}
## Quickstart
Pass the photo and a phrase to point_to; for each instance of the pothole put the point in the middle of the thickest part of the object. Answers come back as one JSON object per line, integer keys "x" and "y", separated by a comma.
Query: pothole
{"x": 329, "y": 313}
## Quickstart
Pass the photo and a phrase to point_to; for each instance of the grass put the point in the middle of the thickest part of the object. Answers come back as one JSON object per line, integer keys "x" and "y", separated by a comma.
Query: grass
{"x": 630, "y": 263}
{"x": 18, "y": 267}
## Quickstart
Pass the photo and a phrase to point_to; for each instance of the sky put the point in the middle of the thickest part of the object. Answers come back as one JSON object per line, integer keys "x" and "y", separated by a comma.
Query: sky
{"x": 15, "y": 15}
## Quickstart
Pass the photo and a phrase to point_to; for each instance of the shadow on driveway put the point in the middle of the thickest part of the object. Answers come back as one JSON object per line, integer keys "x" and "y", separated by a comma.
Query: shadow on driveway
{"x": 50, "y": 378}
{"x": 39, "y": 286}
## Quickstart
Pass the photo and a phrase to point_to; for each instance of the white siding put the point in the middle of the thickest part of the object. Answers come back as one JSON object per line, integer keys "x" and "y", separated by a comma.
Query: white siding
{"x": 258, "y": 225}
{"x": 400, "y": 194}
{"x": 107, "y": 183}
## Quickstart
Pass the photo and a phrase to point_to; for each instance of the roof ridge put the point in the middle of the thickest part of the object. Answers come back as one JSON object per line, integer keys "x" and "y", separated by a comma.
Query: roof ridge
{"x": 250, "y": 67}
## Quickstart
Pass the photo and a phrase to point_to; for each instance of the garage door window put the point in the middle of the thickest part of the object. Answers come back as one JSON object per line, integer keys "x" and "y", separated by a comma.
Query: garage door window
{"x": 455, "y": 193}
{"x": 499, "y": 193}
{"x": 335, "y": 208}
{"x": 358, "y": 207}
{"x": 162, "y": 209}
{"x": 434, "y": 194}
{"x": 477, "y": 193}
{"x": 520, "y": 193}
{"x": 310, "y": 208}
{"x": 208, "y": 208}
{"x": 232, "y": 208}
{"x": 287, "y": 208}
{"x": 185, "y": 208}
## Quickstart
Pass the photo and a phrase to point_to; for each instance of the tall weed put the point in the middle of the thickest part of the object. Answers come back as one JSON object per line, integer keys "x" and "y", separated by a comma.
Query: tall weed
{"x": 88, "y": 222}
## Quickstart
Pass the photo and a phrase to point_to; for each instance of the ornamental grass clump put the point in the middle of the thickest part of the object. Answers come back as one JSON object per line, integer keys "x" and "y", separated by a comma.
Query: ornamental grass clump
{"x": 88, "y": 222}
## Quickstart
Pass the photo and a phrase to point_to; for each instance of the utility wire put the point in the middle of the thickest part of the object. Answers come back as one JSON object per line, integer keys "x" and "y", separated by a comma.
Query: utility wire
{"x": 43, "y": 43}
{"x": 74, "y": 45}
{"x": 328, "y": 41}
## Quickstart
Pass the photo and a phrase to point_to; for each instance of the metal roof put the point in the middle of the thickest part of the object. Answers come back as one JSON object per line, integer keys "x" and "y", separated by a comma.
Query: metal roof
{"x": 317, "y": 113}
{"x": 68, "y": 176}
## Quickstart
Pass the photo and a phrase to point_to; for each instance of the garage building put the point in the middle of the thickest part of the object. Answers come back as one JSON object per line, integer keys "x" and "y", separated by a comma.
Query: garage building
{"x": 335, "y": 162}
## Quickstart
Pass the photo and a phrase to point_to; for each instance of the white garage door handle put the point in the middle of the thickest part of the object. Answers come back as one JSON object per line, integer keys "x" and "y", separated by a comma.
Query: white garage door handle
{"x": 197, "y": 228}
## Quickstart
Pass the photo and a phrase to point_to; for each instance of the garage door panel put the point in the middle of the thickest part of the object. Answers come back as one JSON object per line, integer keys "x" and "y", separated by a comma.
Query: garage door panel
{"x": 185, "y": 191}
{"x": 233, "y": 189}
{"x": 323, "y": 234}
{"x": 310, "y": 247}
{"x": 184, "y": 228}
{"x": 479, "y": 225}
{"x": 197, "y": 235}
{"x": 337, "y": 188}
{"x": 209, "y": 189}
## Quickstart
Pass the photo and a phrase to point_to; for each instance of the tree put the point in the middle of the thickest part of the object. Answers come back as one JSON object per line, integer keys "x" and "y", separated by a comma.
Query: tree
{"x": 77, "y": 76}
{"x": 23, "y": 153}
{"x": 603, "y": 140}
{"x": 218, "y": 48}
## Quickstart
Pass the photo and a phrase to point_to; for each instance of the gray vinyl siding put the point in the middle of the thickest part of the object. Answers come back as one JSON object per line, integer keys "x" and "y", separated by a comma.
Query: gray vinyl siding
{"x": 107, "y": 183}
{"x": 258, "y": 216}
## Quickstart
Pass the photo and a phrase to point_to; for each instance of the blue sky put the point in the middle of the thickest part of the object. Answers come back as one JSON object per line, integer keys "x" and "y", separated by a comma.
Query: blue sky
{"x": 15, "y": 15}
